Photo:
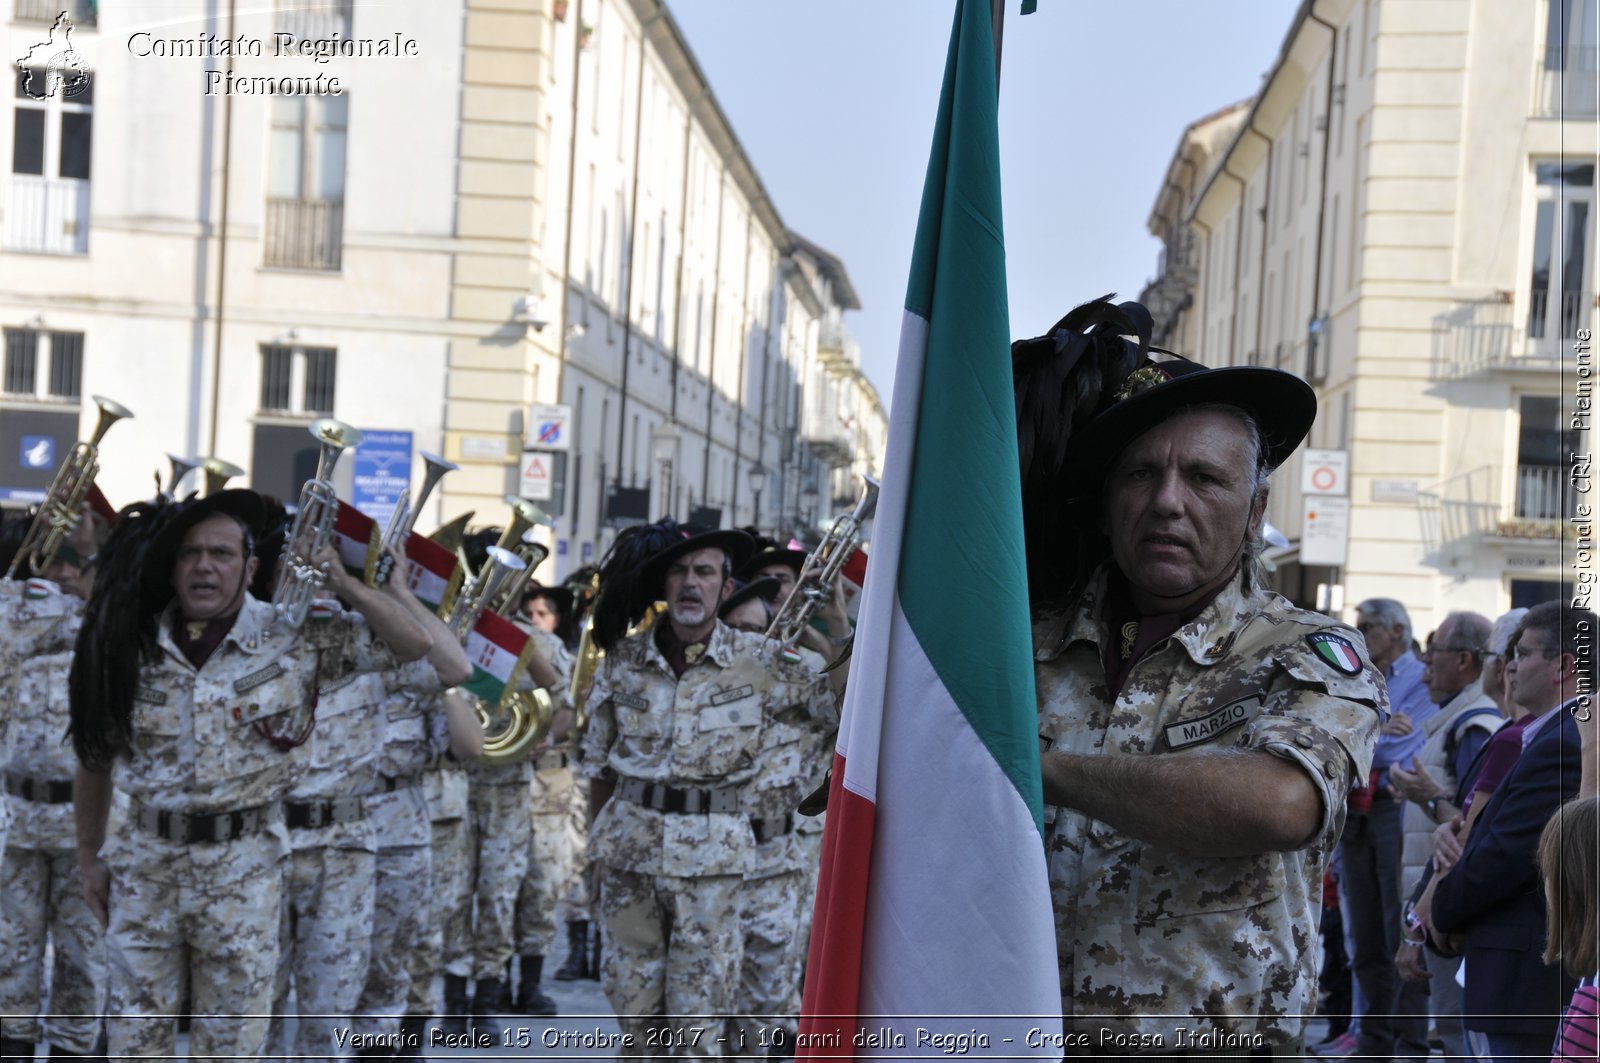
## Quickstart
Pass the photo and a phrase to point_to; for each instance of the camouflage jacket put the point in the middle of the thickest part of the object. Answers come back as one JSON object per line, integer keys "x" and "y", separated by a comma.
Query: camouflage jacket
{"x": 705, "y": 730}
{"x": 1151, "y": 939}
{"x": 36, "y": 748}
{"x": 36, "y": 618}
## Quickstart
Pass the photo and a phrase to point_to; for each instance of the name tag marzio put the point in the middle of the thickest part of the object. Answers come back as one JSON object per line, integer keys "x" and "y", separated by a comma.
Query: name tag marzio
{"x": 1205, "y": 728}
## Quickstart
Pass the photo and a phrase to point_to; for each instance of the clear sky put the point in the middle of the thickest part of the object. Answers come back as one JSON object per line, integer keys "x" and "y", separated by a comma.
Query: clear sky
{"x": 834, "y": 101}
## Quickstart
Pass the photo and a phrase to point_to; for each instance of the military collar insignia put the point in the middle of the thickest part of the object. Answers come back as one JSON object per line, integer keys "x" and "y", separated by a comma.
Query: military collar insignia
{"x": 1335, "y": 651}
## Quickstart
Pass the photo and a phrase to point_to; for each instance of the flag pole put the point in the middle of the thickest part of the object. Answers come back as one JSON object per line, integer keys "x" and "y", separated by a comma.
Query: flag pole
{"x": 997, "y": 14}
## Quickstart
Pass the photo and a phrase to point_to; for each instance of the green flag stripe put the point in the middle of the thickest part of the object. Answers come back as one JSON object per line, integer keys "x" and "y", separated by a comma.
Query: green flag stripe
{"x": 963, "y": 577}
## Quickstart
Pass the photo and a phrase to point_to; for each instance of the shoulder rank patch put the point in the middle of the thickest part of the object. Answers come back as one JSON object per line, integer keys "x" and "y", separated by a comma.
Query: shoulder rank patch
{"x": 1336, "y": 651}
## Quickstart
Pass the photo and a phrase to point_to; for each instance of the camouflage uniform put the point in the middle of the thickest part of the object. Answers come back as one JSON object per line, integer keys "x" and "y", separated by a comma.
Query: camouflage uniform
{"x": 1152, "y": 939}
{"x": 691, "y": 742}
{"x": 447, "y": 941}
{"x": 326, "y": 930}
{"x": 499, "y": 838}
{"x": 213, "y": 905}
{"x": 399, "y": 815}
{"x": 572, "y": 897}
{"x": 41, "y": 890}
{"x": 35, "y": 618}
{"x": 549, "y": 852}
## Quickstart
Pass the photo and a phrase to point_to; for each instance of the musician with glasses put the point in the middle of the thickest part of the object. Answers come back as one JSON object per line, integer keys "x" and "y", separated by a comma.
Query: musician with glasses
{"x": 1199, "y": 733}
{"x": 678, "y": 715}
{"x": 191, "y": 697}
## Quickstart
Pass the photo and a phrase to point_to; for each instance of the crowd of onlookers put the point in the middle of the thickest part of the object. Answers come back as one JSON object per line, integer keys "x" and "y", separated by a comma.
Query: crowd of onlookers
{"x": 1460, "y": 912}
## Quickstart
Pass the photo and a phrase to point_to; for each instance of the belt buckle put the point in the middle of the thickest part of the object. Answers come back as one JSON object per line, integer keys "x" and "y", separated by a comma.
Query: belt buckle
{"x": 693, "y": 800}
{"x": 655, "y": 796}
{"x": 724, "y": 800}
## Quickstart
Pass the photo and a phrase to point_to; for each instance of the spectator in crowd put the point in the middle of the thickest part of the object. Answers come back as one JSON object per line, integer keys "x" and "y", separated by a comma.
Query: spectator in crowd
{"x": 1490, "y": 895}
{"x": 1569, "y": 855}
{"x": 1466, "y": 719}
{"x": 1392, "y": 1021}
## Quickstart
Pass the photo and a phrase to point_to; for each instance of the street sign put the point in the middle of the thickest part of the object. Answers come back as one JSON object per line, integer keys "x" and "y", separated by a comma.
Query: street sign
{"x": 538, "y": 475}
{"x": 549, "y": 427}
{"x": 1325, "y": 472}
{"x": 1324, "y": 531}
{"x": 382, "y": 471}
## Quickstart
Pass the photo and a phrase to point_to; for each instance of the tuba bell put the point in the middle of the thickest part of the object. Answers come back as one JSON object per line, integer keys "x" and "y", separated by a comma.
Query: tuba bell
{"x": 527, "y": 718}
{"x": 58, "y": 513}
{"x": 299, "y": 579}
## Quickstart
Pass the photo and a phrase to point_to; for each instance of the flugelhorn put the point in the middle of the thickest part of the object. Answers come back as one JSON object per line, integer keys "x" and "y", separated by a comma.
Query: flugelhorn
{"x": 822, "y": 568}
{"x": 218, "y": 473}
{"x": 299, "y": 578}
{"x": 181, "y": 467}
{"x": 404, "y": 518}
{"x": 58, "y": 513}
{"x": 499, "y": 567}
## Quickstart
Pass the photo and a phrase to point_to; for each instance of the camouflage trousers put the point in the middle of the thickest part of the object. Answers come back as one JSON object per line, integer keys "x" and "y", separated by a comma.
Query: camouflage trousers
{"x": 402, "y": 902}
{"x": 41, "y": 893}
{"x": 325, "y": 934}
{"x": 224, "y": 938}
{"x": 769, "y": 977}
{"x": 573, "y": 902}
{"x": 811, "y": 845}
{"x": 498, "y": 825}
{"x": 672, "y": 948}
{"x": 549, "y": 867}
{"x": 447, "y": 939}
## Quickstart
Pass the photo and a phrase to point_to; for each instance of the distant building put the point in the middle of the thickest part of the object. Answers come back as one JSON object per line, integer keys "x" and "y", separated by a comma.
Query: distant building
{"x": 207, "y": 233}
{"x": 1404, "y": 216}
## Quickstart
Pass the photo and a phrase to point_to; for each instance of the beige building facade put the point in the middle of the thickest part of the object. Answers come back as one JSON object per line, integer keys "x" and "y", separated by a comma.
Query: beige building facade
{"x": 518, "y": 233}
{"x": 1404, "y": 216}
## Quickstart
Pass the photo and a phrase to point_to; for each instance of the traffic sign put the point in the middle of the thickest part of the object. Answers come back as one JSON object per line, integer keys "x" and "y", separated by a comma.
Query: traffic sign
{"x": 1325, "y": 472}
{"x": 538, "y": 475}
{"x": 549, "y": 427}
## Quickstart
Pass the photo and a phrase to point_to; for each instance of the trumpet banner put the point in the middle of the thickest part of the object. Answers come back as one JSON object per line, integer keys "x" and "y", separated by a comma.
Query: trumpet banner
{"x": 434, "y": 573}
{"x": 358, "y": 540}
{"x": 499, "y": 651}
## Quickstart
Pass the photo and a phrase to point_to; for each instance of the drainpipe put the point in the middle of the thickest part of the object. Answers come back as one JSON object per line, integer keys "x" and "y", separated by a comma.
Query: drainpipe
{"x": 744, "y": 345}
{"x": 1327, "y": 136}
{"x": 222, "y": 246}
{"x": 711, "y": 369}
{"x": 566, "y": 265}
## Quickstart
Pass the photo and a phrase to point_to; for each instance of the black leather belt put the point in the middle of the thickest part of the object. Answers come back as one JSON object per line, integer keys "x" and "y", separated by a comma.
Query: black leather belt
{"x": 768, "y": 829}
{"x": 388, "y": 784}
{"x": 664, "y": 798}
{"x": 550, "y": 760}
{"x": 43, "y": 791}
{"x": 189, "y": 827}
{"x": 303, "y": 815}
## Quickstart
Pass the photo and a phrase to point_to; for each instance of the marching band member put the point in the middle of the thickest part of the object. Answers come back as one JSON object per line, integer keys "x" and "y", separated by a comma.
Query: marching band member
{"x": 190, "y": 695}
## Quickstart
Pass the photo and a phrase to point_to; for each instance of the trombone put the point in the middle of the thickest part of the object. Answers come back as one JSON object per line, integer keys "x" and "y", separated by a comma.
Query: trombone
{"x": 58, "y": 513}
{"x": 299, "y": 578}
{"x": 822, "y": 567}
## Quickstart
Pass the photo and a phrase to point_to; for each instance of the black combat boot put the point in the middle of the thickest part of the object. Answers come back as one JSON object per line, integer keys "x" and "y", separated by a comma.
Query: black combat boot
{"x": 488, "y": 1001}
{"x": 594, "y": 955}
{"x": 577, "y": 965}
{"x": 13, "y": 1049}
{"x": 453, "y": 1023}
{"x": 531, "y": 1000}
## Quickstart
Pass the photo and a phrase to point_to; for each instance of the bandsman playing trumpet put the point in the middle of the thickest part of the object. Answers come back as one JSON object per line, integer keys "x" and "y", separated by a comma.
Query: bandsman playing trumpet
{"x": 191, "y": 696}
{"x": 678, "y": 717}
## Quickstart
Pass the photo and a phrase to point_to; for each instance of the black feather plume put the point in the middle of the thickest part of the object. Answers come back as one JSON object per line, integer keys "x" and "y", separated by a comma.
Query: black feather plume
{"x": 623, "y": 597}
{"x": 1062, "y": 379}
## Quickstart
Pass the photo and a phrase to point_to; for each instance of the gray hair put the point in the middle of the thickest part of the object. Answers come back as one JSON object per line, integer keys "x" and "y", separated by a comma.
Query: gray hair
{"x": 1389, "y": 613}
{"x": 1250, "y": 564}
{"x": 1505, "y": 628}
{"x": 1470, "y": 633}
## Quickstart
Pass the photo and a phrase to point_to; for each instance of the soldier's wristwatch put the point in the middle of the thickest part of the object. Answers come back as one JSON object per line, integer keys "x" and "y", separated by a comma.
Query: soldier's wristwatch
{"x": 1433, "y": 807}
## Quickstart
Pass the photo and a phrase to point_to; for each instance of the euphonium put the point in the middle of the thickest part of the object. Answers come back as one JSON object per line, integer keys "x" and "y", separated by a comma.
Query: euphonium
{"x": 404, "y": 518}
{"x": 58, "y": 513}
{"x": 299, "y": 579}
{"x": 822, "y": 568}
{"x": 529, "y": 714}
{"x": 218, "y": 473}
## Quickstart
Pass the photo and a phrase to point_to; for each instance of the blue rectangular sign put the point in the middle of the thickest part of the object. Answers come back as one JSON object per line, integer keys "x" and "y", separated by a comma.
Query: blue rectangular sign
{"x": 382, "y": 471}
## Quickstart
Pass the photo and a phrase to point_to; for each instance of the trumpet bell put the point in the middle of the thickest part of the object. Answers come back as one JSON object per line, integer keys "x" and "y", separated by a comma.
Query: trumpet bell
{"x": 332, "y": 432}
{"x": 218, "y": 473}
{"x": 110, "y": 413}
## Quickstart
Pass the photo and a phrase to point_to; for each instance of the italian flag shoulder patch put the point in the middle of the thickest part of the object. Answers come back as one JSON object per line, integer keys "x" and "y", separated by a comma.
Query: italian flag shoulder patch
{"x": 1336, "y": 651}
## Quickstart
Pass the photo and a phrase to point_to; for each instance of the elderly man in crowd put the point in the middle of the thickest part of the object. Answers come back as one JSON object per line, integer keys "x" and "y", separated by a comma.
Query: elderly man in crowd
{"x": 1200, "y": 733}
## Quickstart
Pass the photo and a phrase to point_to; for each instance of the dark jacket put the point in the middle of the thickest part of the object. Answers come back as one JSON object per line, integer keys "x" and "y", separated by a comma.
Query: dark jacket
{"x": 1495, "y": 897}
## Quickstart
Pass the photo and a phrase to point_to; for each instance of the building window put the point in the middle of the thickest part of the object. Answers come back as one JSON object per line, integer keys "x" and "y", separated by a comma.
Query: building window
{"x": 315, "y": 20}
{"x": 1561, "y": 278}
{"x": 305, "y": 182}
{"x": 297, "y": 380}
{"x": 1544, "y": 458}
{"x": 47, "y": 199}
{"x": 43, "y": 364}
{"x": 45, "y": 12}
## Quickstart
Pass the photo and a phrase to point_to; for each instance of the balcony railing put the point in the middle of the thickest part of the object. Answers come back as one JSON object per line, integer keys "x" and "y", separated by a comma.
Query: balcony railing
{"x": 315, "y": 20}
{"x": 1541, "y": 493}
{"x": 1566, "y": 83}
{"x": 1470, "y": 506}
{"x": 304, "y": 233}
{"x": 46, "y": 215}
{"x": 81, "y": 12}
{"x": 1482, "y": 335}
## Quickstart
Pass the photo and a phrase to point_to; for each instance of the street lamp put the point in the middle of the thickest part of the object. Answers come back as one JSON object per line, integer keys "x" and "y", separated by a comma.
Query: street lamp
{"x": 664, "y": 445}
{"x": 758, "y": 480}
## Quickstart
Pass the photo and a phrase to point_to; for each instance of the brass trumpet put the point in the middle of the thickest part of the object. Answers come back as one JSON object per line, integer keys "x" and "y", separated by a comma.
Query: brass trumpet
{"x": 58, "y": 513}
{"x": 218, "y": 473}
{"x": 404, "y": 519}
{"x": 822, "y": 568}
{"x": 500, "y": 568}
{"x": 299, "y": 578}
{"x": 525, "y": 516}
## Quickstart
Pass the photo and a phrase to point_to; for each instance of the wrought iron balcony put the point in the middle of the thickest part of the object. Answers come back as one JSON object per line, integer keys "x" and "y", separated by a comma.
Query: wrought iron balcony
{"x": 1532, "y": 332}
{"x": 1471, "y": 507}
{"x": 304, "y": 233}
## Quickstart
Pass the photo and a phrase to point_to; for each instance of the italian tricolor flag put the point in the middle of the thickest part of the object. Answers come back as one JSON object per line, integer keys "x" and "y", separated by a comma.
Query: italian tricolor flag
{"x": 933, "y": 908}
{"x": 497, "y": 649}
{"x": 356, "y": 538}
{"x": 435, "y": 574}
